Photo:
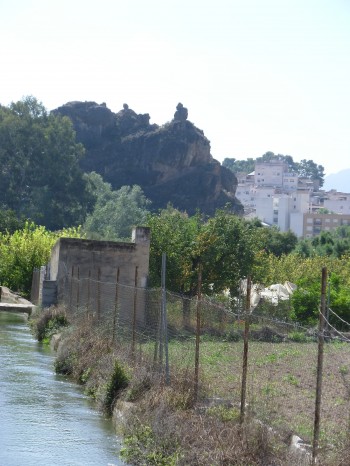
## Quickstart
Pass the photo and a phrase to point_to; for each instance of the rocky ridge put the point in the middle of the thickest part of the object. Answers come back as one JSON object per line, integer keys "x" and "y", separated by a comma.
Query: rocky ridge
{"x": 172, "y": 163}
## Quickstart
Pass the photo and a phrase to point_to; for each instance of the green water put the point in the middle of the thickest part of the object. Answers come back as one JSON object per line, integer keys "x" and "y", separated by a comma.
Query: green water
{"x": 44, "y": 419}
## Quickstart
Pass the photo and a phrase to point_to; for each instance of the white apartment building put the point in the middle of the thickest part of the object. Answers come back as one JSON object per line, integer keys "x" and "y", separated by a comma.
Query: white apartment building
{"x": 275, "y": 174}
{"x": 338, "y": 203}
{"x": 277, "y": 197}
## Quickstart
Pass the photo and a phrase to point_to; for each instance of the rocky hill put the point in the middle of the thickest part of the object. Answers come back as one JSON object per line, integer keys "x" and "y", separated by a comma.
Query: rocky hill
{"x": 172, "y": 163}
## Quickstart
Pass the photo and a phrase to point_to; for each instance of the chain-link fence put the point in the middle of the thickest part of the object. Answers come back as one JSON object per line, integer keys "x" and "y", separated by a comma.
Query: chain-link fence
{"x": 204, "y": 341}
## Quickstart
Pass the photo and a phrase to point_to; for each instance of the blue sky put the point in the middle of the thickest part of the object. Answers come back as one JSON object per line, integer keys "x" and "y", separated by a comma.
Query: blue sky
{"x": 255, "y": 75}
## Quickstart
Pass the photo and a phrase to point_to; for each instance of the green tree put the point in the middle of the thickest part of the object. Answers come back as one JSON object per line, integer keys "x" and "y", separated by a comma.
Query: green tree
{"x": 174, "y": 233}
{"x": 226, "y": 249}
{"x": 223, "y": 245}
{"x": 305, "y": 303}
{"x": 115, "y": 212}
{"x": 24, "y": 250}
{"x": 272, "y": 240}
{"x": 335, "y": 243}
{"x": 309, "y": 169}
{"x": 9, "y": 221}
{"x": 40, "y": 177}
{"x": 239, "y": 166}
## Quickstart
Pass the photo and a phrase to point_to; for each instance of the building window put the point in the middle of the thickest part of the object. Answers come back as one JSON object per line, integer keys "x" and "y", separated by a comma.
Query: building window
{"x": 309, "y": 220}
{"x": 335, "y": 220}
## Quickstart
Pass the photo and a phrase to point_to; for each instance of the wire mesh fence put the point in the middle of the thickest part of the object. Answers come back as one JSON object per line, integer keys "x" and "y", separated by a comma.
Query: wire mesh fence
{"x": 159, "y": 330}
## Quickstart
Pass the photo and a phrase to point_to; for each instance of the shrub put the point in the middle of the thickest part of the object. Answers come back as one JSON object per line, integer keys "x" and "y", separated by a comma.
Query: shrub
{"x": 48, "y": 323}
{"x": 118, "y": 380}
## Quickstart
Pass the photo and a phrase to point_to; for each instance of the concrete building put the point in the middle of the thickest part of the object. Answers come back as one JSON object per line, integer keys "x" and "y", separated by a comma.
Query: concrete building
{"x": 336, "y": 202}
{"x": 278, "y": 197}
{"x": 314, "y": 223}
{"x": 84, "y": 273}
{"x": 275, "y": 173}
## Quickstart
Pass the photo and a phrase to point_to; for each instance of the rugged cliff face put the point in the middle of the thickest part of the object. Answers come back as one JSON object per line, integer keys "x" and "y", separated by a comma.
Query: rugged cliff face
{"x": 172, "y": 163}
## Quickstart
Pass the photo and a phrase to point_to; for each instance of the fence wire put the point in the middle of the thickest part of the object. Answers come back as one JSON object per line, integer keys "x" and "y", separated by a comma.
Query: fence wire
{"x": 282, "y": 355}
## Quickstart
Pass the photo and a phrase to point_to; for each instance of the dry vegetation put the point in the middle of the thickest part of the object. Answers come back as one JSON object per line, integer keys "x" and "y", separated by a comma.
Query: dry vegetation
{"x": 163, "y": 425}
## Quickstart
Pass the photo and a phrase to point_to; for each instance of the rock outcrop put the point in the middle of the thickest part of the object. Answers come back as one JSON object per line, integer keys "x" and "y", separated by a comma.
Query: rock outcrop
{"x": 172, "y": 163}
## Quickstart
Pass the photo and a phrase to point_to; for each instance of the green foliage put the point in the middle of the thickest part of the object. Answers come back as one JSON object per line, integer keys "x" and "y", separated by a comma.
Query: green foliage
{"x": 224, "y": 413}
{"x": 141, "y": 447}
{"x": 226, "y": 247}
{"x": 118, "y": 380}
{"x": 309, "y": 169}
{"x": 49, "y": 323}
{"x": 272, "y": 240}
{"x": 40, "y": 177}
{"x": 223, "y": 245}
{"x": 306, "y": 303}
{"x": 9, "y": 221}
{"x": 306, "y": 274}
{"x": 115, "y": 212}
{"x": 25, "y": 250}
{"x": 174, "y": 233}
{"x": 339, "y": 301}
{"x": 298, "y": 337}
{"x": 239, "y": 166}
{"x": 335, "y": 243}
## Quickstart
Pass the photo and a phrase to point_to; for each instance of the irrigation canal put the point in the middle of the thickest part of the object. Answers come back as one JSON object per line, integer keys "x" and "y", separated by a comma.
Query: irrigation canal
{"x": 45, "y": 420}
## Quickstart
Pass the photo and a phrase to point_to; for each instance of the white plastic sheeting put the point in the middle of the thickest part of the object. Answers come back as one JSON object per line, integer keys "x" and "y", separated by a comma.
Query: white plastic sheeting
{"x": 273, "y": 293}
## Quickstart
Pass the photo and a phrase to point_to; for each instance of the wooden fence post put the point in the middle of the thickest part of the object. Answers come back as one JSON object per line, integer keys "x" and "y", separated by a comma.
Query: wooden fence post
{"x": 245, "y": 351}
{"x": 321, "y": 326}
{"x": 88, "y": 296}
{"x": 78, "y": 291}
{"x": 134, "y": 313}
{"x": 198, "y": 333}
{"x": 98, "y": 294}
{"x": 115, "y": 308}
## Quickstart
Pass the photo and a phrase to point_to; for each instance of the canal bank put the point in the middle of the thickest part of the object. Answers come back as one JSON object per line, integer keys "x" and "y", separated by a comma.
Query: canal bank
{"x": 45, "y": 418}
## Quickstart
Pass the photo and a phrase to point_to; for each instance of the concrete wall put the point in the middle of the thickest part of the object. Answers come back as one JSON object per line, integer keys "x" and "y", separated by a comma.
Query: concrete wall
{"x": 81, "y": 271}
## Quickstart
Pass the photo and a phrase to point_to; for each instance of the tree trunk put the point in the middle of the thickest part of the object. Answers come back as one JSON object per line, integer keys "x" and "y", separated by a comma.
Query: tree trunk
{"x": 186, "y": 312}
